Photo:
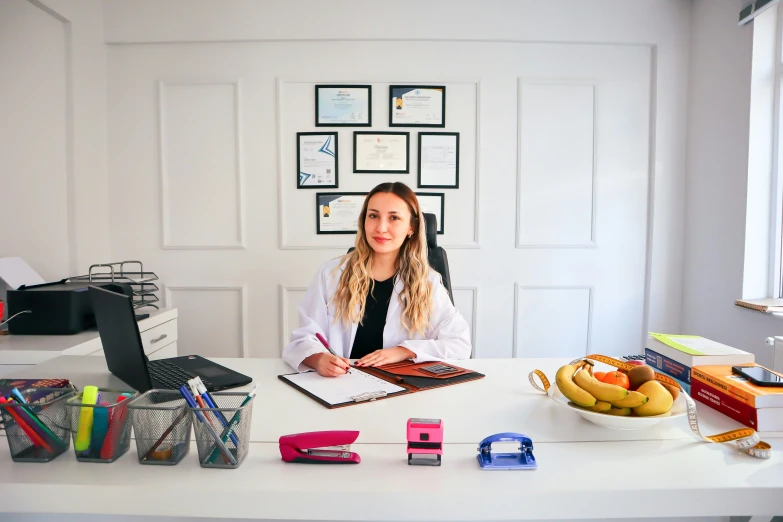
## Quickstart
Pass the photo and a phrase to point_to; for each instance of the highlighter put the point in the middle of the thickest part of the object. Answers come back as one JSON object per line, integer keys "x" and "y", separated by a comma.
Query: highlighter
{"x": 82, "y": 440}
{"x": 100, "y": 424}
{"x": 115, "y": 429}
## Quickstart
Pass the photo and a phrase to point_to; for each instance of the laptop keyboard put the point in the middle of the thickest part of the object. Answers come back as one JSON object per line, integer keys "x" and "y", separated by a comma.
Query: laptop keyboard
{"x": 171, "y": 375}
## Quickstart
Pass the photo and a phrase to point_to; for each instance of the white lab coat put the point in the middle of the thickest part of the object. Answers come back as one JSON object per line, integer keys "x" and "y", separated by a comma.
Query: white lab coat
{"x": 447, "y": 337}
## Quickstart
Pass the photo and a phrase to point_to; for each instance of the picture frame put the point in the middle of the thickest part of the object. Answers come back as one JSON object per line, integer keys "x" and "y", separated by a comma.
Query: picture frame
{"x": 317, "y": 160}
{"x": 381, "y": 152}
{"x": 417, "y": 106}
{"x": 343, "y": 105}
{"x": 438, "y": 160}
{"x": 338, "y": 212}
{"x": 433, "y": 203}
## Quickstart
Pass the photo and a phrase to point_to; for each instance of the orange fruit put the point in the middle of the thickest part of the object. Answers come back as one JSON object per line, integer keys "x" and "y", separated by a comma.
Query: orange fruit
{"x": 620, "y": 379}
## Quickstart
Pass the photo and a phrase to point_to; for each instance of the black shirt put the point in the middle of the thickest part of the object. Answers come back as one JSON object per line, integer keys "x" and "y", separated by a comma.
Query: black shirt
{"x": 369, "y": 334}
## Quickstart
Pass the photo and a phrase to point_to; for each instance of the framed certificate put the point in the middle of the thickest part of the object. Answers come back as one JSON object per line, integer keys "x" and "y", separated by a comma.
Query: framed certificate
{"x": 316, "y": 160}
{"x": 438, "y": 160}
{"x": 432, "y": 203}
{"x": 417, "y": 106}
{"x": 338, "y": 212}
{"x": 382, "y": 152}
{"x": 343, "y": 105}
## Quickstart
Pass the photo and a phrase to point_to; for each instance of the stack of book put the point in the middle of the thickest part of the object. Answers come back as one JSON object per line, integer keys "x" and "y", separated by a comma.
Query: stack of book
{"x": 675, "y": 355}
{"x": 759, "y": 407}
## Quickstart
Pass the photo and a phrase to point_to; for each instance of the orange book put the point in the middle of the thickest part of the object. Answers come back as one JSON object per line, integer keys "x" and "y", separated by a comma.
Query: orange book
{"x": 722, "y": 378}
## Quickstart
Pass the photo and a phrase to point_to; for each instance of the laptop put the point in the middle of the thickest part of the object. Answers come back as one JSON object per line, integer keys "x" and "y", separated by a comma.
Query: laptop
{"x": 126, "y": 359}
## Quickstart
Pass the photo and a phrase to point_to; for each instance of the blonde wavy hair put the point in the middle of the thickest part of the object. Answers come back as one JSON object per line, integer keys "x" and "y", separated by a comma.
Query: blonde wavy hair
{"x": 413, "y": 269}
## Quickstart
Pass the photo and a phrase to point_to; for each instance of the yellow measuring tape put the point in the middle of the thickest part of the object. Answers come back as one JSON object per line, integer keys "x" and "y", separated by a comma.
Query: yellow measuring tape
{"x": 746, "y": 439}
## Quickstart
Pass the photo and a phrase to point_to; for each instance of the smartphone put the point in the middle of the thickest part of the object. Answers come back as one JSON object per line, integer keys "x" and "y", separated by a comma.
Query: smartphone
{"x": 758, "y": 375}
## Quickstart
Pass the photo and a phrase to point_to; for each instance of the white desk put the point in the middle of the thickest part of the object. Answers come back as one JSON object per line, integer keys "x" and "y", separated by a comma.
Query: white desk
{"x": 501, "y": 401}
{"x": 605, "y": 480}
{"x": 19, "y": 352}
{"x": 584, "y": 471}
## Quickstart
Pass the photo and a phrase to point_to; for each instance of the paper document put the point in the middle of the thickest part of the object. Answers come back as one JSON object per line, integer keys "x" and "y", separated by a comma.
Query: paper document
{"x": 342, "y": 389}
{"x": 15, "y": 272}
{"x": 695, "y": 345}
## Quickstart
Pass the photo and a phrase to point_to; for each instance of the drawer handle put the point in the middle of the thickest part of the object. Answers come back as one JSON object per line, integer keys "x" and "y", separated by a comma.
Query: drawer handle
{"x": 163, "y": 336}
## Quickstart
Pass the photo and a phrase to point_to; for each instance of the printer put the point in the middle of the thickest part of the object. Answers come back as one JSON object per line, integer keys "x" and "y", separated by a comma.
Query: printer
{"x": 59, "y": 308}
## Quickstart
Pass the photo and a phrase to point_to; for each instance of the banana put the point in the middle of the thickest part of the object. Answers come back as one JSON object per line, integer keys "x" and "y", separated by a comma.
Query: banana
{"x": 632, "y": 400}
{"x": 622, "y": 412}
{"x": 601, "y": 407}
{"x": 600, "y": 390}
{"x": 566, "y": 385}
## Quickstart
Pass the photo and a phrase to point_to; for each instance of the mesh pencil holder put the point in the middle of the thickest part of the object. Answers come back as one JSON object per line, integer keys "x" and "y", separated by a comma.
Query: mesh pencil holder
{"x": 38, "y": 431}
{"x": 161, "y": 426}
{"x": 223, "y": 443}
{"x": 101, "y": 431}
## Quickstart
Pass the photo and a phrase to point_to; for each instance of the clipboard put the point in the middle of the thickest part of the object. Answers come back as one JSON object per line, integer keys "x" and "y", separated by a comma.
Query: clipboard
{"x": 397, "y": 378}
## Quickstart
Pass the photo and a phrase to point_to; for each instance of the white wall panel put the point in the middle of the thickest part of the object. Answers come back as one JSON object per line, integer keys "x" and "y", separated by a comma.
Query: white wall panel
{"x": 556, "y": 168}
{"x": 482, "y": 97}
{"x": 36, "y": 170}
{"x": 296, "y": 101}
{"x": 201, "y": 173}
{"x": 552, "y": 322}
{"x": 466, "y": 301}
{"x": 290, "y": 297}
{"x": 212, "y": 320}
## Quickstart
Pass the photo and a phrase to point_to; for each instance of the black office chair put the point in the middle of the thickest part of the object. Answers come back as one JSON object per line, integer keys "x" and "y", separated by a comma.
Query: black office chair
{"x": 435, "y": 254}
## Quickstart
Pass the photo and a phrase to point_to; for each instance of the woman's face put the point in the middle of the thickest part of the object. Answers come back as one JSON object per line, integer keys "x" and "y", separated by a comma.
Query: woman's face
{"x": 388, "y": 222}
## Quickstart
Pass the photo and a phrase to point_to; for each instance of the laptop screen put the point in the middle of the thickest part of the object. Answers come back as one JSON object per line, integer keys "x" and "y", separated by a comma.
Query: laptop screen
{"x": 120, "y": 337}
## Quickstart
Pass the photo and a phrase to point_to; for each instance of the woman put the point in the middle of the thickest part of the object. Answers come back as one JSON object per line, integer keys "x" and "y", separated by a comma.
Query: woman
{"x": 381, "y": 303}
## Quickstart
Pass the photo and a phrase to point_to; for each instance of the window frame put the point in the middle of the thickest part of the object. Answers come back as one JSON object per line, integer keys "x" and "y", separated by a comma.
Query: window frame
{"x": 776, "y": 192}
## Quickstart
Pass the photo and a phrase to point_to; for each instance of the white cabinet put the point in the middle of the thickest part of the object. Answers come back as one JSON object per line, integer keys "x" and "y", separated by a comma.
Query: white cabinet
{"x": 154, "y": 337}
{"x": 17, "y": 352}
{"x": 164, "y": 352}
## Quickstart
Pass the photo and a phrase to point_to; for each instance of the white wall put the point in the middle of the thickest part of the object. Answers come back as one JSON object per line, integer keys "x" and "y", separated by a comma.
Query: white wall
{"x": 54, "y": 209}
{"x": 661, "y": 26}
{"x": 718, "y": 129}
{"x": 171, "y": 41}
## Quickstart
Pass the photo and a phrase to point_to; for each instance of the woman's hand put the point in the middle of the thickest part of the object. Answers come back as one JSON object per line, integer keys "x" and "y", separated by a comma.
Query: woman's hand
{"x": 327, "y": 364}
{"x": 386, "y": 356}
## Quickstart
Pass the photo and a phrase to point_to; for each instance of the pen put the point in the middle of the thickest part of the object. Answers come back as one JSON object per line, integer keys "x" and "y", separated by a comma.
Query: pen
{"x": 192, "y": 403}
{"x": 326, "y": 345}
{"x": 29, "y": 431}
{"x": 34, "y": 422}
{"x": 233, "y": 423}
{"x": 200, "y": 401}
{"x": 208, "y": 399}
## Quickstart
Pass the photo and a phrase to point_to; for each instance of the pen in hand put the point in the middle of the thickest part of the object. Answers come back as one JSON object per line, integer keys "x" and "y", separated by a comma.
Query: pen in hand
{"x": 326, "y": 345}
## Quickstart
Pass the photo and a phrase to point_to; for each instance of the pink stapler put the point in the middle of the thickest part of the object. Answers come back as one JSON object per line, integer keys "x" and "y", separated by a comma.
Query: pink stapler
{"x": 320, "y": 447}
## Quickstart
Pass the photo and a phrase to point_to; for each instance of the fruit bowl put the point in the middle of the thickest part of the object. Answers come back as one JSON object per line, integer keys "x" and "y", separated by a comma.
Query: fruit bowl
{"x": 677, "y": 410}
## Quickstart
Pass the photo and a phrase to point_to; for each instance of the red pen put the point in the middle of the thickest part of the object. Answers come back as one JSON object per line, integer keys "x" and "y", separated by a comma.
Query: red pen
{"x": 326, "y": 344}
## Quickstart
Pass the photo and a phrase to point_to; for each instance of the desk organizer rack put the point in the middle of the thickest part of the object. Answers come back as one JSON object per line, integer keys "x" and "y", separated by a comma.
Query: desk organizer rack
{"x": 141, "y": 282}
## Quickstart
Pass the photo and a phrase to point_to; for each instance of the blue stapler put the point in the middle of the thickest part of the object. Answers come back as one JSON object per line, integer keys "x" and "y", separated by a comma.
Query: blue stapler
{"x": 524, "y": 459}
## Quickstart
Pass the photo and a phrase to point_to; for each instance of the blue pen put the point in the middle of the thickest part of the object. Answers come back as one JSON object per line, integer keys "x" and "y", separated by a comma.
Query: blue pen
{"x": 219, "y": 414}
{"x": 233, "y": 422}
{"x": 192, "y": 403}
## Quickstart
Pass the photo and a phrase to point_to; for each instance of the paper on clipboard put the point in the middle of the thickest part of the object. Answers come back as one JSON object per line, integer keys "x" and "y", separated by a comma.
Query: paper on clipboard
{"x": 342, "y": 389}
